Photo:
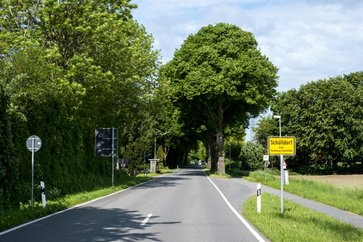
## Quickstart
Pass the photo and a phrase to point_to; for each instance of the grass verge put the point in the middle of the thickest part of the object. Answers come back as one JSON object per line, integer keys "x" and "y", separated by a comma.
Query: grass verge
{"x": 13, "y": 217}
{"x": 216, "y": 175}
{"x": 348, "y": 199}
{"x": 297, "y": 223}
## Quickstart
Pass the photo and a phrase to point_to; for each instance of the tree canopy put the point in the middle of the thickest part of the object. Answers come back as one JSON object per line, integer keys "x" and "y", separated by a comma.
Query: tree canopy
{"x": 220, "y": 79}
{"x": 326, "y": 118}
{"x": 69, "y": 67}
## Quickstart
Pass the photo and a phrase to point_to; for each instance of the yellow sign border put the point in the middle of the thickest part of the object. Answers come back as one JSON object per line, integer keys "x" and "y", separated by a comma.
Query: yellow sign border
{"x": 290, "y": 151}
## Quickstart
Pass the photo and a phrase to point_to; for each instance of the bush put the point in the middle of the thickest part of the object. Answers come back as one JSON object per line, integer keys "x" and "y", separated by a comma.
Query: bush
{"x": 251, "y": 156}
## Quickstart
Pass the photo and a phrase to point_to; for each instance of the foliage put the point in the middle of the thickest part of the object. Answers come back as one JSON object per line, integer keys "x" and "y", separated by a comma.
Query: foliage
{"x": 8, "y": 165}
{"x": 297, "y": 223}
{"x": 220, "y": 79}
{"x": 326, "y": 118}
{"x": 197, "y": 153}
{"x": 266, "y": 126}
{"x": 251, "y": 156}
{"x": 69, "y": 67}
{"x": 233, "y": 145}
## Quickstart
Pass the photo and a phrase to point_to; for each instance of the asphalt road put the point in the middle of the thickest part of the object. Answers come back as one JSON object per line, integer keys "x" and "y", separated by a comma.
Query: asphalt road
{"x": 183, "y": 206}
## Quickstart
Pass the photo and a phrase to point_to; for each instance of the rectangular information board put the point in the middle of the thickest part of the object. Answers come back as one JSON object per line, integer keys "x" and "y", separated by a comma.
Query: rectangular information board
{"x": 105, "y": 140}
{"x": 281, "y": 145}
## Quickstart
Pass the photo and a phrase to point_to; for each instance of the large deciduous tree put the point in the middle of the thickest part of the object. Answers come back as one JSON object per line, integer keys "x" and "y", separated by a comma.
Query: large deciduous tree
{"x": 220, "y": 79}
{"x": 69, "y": 67}
{"x": 326, "y": 118}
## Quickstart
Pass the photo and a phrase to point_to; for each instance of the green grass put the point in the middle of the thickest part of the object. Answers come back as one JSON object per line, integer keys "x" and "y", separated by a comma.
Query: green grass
{"x": 167, "y": 170}
{"x": 348, "y": 199}
{"x": 13, "y": 217}
{"x": 297, "y": 223}
{"x": 216, "y": 175}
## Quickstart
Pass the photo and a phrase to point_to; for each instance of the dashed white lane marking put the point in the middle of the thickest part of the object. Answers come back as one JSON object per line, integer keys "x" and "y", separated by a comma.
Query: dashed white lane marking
{"x": 146, "y": 219}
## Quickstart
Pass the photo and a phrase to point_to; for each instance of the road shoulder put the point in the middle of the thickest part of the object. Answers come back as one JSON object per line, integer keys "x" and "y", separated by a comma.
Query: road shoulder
{"x": 238, "y": 190}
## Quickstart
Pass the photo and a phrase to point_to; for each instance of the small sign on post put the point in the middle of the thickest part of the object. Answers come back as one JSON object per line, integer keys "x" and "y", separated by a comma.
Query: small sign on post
{"x": 33, "y": 143}
{"x": 106, "y": 140}
{"x": 266, "y": 163}
{"x": 265, "y": 157}
{"x": 281, "y": 146}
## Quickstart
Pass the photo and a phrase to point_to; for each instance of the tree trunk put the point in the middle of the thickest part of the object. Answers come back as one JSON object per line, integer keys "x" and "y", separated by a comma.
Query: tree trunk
{"x": 213, "y": 153}
{"x": 220, "y": 141}
{"x": 220, "y": 152}
{"x": 208, "y": 153}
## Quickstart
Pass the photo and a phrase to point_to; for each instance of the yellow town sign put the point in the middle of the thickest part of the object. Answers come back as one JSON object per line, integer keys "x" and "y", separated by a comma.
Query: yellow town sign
{"x": 281, "y": 145}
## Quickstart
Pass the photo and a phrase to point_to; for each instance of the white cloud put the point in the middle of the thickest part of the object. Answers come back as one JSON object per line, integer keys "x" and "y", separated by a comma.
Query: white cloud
{"x": 306, "y": 40}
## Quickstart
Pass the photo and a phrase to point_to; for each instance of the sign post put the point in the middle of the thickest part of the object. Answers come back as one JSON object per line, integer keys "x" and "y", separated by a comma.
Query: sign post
{"x": 113, "y": 156}
{"x": 281, "y": 146}
{"x": 106, "y": 140}
{"x": 266, "y": 163}
{"x": 33, "y": 143}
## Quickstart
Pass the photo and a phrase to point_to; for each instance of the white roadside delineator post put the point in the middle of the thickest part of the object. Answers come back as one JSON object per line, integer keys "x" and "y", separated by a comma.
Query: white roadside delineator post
{"x": 42, "y": 192}
{"x": 259, "y": 198}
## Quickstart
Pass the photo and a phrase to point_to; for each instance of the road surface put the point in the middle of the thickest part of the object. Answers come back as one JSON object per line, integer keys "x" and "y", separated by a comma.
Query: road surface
{"x": 183, "y": 206}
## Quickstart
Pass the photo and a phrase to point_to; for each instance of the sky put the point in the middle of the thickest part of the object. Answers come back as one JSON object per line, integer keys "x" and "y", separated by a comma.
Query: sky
{"x": 307, "y": 40}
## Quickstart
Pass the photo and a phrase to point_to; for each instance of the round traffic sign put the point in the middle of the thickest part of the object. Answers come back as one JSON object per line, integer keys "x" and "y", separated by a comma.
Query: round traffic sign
{"x": 33, "y": 143}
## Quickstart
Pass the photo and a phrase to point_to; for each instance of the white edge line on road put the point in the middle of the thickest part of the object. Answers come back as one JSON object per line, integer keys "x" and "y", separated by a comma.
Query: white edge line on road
{"x": 146, "y": 219}
{"x": 257, "y": 236}
{"x": 76, "y": 206}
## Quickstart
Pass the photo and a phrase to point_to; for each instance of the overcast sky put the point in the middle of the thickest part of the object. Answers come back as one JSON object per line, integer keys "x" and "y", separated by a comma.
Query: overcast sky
{"x": 307, "y": 40}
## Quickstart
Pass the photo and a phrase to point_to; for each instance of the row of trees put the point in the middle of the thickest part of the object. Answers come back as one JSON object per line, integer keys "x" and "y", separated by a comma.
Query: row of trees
{"x": 325, "y": 116}
{"x": 218, "y": 80}
{"x": 67, "y": 68}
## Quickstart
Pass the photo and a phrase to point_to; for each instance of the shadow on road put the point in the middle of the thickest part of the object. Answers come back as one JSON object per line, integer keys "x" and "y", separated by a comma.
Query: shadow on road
{"x": 172, "y": 179}
{"x": 89, "y": 224}
{"x": 168, "y": 181}
{"x": 192, "y": 172}
{"x": 108, "y": 225}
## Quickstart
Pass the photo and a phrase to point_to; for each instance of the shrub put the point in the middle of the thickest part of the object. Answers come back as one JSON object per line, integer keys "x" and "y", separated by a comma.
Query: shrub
{"x": 251, "y": 156}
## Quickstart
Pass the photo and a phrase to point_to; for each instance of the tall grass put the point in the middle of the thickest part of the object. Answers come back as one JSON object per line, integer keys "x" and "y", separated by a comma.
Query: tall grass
{"x": 297, "y": 223}
{"x": 348, "y": 199}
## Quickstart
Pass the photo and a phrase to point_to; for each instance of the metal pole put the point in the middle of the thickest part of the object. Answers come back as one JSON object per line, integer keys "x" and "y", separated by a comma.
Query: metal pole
{"x": 230, "y": 161}
{"x": 281, "y": 174}
{"x": 113, "y": 156}
{"x": 32, "y": 201}
{"x": 229, "y": 151}
{"x": 155, "y": 147}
